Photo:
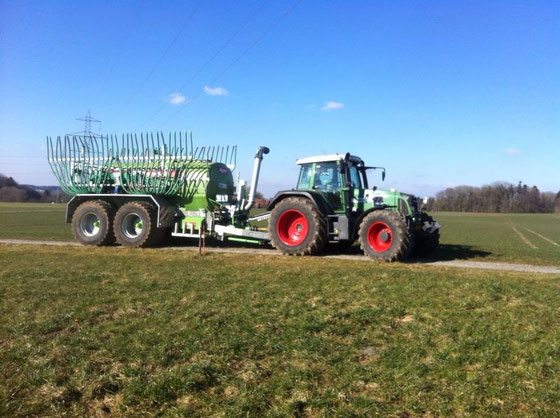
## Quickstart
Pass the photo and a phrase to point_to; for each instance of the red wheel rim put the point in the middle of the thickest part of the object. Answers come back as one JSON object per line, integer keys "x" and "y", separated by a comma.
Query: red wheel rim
{"x": 292, "y": 227}
{"x": 379, "y": 236}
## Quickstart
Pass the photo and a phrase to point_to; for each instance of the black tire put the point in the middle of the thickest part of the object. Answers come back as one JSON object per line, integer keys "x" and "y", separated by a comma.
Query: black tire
{"x": 384, "y": 236}
{"x": 136, "y": 225}
{"x": 425, "y": 243}
{"x": 92, "y": 223}
{"x": 296, "y": 227}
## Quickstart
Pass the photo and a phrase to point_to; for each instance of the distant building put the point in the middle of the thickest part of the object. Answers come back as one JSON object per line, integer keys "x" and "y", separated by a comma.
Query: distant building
{"x": 261, "y": 203}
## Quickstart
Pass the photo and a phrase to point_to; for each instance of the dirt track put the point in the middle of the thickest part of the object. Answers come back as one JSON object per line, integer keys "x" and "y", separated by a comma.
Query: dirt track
{"x": 484, "y": 265}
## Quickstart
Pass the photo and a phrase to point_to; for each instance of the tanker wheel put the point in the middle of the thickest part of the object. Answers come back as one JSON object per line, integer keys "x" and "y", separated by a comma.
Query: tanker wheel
{"x": 425, "y": 243}
{"x": 92, "y": 223}
{"x": 384, "y": 236}
{"x": 136, "y": 225}
{"x": 297, "y": 227}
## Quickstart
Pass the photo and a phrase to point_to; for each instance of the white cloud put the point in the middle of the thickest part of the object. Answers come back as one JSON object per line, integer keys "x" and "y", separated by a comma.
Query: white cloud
{"x": 176, "y": 98}
{"x": 215, "y": 91}
{"x": 328, "y": 106}
{"x": 512, "y": 151}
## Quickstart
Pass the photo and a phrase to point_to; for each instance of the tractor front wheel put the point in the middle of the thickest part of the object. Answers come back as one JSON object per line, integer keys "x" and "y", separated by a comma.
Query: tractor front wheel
{"x": 384, "y": 236}
{"x": 136, "y": 225}
{"x": 92, "y": 223}
{"x": 297, "y": 227}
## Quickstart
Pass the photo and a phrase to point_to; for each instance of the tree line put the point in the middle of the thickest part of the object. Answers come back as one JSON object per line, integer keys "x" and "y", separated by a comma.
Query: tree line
{"x": 496, "y": 197}
{"x": 11, "y": 191}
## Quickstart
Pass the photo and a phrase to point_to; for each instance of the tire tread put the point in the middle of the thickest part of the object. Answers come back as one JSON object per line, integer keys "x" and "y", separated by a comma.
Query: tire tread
{"x": 399, "y": 252}
{"x": 107, "y": 210}
{"x": 319, "y": 240}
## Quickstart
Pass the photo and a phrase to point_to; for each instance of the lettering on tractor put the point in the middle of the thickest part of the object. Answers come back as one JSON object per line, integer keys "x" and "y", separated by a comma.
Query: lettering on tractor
{"x": 142, "y": 188}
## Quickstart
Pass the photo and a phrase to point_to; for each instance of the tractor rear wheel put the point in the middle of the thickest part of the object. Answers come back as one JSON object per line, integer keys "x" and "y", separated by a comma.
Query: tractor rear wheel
{"x": 92, "y": 223}
{"x": 136, "y": 225}
{"x": 384, "y": 236}
{"x": 425, "y": 243}
{"x": 297, "y": 227}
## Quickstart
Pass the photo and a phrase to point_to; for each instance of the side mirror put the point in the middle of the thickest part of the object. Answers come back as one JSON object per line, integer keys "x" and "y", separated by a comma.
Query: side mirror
{"x": 383, "y": 176}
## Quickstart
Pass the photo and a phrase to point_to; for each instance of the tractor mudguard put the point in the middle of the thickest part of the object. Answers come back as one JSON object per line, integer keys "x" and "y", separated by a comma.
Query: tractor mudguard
{"x": 318, "y": 200}
{"x": 362, "y": 216}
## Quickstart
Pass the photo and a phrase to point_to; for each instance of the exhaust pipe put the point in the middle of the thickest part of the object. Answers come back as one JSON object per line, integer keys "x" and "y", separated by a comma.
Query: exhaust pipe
{"x": 255, "y": 178}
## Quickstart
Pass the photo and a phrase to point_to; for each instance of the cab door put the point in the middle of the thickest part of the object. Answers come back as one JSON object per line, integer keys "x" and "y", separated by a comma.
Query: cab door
{"x": 357, "y": 204}
{"x": 327, "y": 179}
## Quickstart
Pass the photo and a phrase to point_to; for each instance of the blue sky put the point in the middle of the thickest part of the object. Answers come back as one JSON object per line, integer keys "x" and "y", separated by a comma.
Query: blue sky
{"x": 441, "y": 93}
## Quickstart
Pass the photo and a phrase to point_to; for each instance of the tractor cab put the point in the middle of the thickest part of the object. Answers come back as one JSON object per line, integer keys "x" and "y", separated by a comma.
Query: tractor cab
{"x": 340, "y": 178}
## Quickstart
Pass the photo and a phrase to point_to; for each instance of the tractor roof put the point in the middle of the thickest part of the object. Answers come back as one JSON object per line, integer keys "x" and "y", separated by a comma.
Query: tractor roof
{"x": 326, "y": 158}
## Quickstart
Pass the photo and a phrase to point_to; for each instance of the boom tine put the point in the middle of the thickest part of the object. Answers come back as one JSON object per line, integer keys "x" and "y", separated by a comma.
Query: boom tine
{"x": 95, "y": 166}
{"x": 67, "y": 154}
{"x": 130, "y": 174}
{"x": 192, "y": 147}
{"x": 151, "y": 165}
{"x": 60, "y": 163}
{"x": 145, "y": 158}
{"x": 157, "y": 165}
{"x": 52, "y": 159}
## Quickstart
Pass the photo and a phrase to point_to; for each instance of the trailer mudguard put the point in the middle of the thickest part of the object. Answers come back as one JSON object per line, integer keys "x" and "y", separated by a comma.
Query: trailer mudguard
{"x": 165, "y": 211}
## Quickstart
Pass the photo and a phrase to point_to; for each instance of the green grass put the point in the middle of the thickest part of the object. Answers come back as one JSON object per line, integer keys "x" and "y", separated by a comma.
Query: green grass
{"x": 491, "y": 237}
{"x": 133, "y": 332}
{"x": 34, "y": 221}
{"x": 463, "y": 236}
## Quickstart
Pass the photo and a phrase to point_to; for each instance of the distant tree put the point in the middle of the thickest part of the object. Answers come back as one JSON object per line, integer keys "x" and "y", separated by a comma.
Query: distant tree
{"x": 496, "y": 197}
{"x": 12, "y": 194}
{"x": 11, "y": 191}
{"x": 7, "y": 181}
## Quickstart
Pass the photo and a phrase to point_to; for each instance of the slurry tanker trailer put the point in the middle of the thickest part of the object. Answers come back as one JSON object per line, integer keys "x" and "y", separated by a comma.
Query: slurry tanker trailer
{"x": 139, "y": 189}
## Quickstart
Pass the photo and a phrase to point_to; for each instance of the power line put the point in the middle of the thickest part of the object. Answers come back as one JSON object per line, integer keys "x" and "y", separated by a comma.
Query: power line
{"x": 236, "y": 60}
{"x": 209, "y": 61}
{"x": 159, "y": 61}
{"x": 131, "y": 26}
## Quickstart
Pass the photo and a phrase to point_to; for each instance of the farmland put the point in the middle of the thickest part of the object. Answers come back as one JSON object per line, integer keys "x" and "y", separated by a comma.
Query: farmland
{"x": 523, "y": 238}
{"x": 93, "y": 331}
{"x": 96, "y": 331}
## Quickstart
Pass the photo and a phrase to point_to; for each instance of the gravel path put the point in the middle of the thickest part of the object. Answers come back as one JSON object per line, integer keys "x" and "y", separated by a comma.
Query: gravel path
{"x": 484, "y": 265}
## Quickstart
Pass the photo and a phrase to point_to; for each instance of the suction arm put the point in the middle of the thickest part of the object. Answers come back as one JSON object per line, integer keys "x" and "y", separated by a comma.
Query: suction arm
{"x": 255, "y": 179}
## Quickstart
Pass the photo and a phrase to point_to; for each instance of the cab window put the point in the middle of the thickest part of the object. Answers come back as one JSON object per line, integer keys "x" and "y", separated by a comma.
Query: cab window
{"x": 304, "y": 177}
{"x": 326, "y": 176}
{"x": 355, "y": 178}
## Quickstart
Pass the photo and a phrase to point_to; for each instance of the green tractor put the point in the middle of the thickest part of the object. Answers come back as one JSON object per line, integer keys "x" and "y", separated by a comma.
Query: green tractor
{"x": 333, "y": 204}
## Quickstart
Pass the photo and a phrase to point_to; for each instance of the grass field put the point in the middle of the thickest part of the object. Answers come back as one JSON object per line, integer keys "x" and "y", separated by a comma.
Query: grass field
{"x": 525, "y": 238}
{"x": 95, "y": 331}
